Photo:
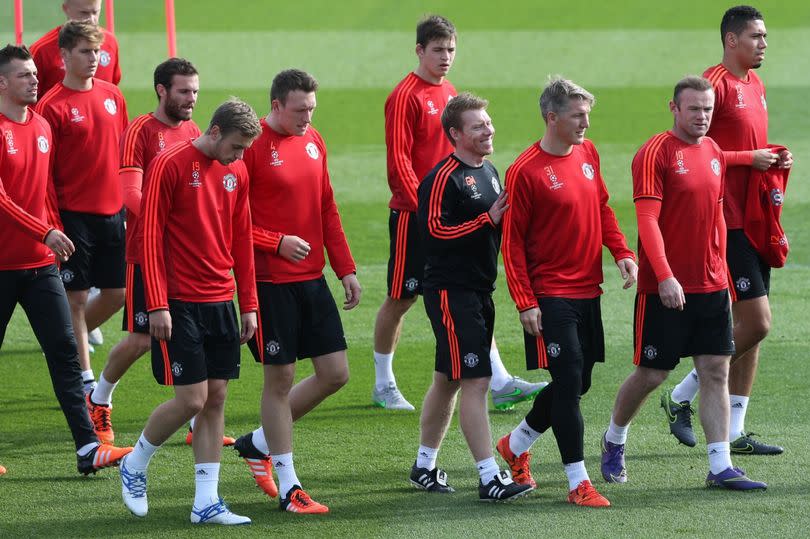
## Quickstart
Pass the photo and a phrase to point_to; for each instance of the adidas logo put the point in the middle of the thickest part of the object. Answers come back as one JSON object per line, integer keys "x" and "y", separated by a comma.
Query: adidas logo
{"x": 278, "y": 465}
{"x": 526, "y": 432}
{"x": 737, "y": 405}
{"x": 713, "y": 452}
{"x": 423, "y": 454}
{"x": 202, "y": 472}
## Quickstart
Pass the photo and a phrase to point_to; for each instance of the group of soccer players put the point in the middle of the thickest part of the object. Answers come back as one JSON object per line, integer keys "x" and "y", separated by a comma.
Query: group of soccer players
{"x": 256, "y": 194}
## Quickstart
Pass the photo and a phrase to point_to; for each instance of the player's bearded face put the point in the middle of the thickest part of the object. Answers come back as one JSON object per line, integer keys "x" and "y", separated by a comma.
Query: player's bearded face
{"x": 20, "y": 81}
{"x": 182, "y": 97}
{"x": 572, "y": 122}
{"x": 693, "y": 112}
{"x": 477, "y": 133}
{"x": 751, "y": 44}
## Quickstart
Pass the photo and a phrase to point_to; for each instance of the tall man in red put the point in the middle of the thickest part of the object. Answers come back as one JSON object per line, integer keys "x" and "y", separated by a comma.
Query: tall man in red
{"x": 683, "y": 304}
{"x": 415, "y": 142}
{"x": 48, "y": 58}
{"x": 294, "y": 219}
{"x": 557, "y": 222}
{"x": 176, "y": 84}
{"x": 196, "y": 230}
{"x": 33, "y": 244}
{"x": 740, "y": 128}
{"x": 87, "y": 116}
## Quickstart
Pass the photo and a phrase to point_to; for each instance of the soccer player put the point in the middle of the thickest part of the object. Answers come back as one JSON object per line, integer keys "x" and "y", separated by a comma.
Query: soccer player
{"x": 461, "y": 204}
{"x": 32, "y": 246}
{"x": 48, "y": 58}
{"x": 683, "y": 304}
{"x": 294, "y": 219}
{"x": 740, "y": 128}
{"x": 196, "y": 229}
{"x": 554, "y": 230}
{"x": 415, "y": 142}
{"x": 87, "y": 116}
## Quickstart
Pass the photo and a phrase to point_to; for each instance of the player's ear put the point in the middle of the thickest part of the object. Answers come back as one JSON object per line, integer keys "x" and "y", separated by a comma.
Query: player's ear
{"x": 672, "y": 106}
{"x": 731, "y": 39}
{"x": 420, "y": 50}
{"x": 161, "y": 90}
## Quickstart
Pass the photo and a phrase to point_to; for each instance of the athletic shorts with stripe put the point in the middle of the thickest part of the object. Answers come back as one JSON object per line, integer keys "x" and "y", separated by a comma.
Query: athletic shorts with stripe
{"x": 463, "y": 321}
{"x": 749, "y": 273}
{"x": 136, "y": 319}
{"x": 99, "y": 259}
{"x": 572, "y": 332}
{"x": 204, "y": 344}
{"x": 662, "y": 336}
{"x": 296, "y": 321}
{"x": 406, "y": 260}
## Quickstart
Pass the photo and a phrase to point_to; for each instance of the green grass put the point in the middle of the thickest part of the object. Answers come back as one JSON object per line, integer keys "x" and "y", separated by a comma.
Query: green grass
{"x": 353, "y": 457}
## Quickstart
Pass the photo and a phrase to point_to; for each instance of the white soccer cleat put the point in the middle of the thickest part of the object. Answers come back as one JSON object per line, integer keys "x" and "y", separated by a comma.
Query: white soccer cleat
{"x": 133, "y": 490}
{"x": 95, "y": 337}
{"x": 390, "y": 398}
{"x": 217, "y": 513}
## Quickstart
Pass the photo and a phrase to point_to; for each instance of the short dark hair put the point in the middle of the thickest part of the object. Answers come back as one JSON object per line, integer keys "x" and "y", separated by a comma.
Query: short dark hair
{"x": 736, "y": 19}
{"x": 291, "y": 80}
{"x": 434, "y": 27}
{"x": 451, "y": 117}
{"x": 236, "y": 115}
{"x": 692, "y": 82}
{"x": 12, "y": 52}
{"x": 73, "y": 31}
{"x": 165, "y": 71}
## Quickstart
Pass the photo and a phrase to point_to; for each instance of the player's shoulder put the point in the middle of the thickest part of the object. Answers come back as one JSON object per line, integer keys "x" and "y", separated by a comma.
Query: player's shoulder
{"x": 407, "y": 88}
{"x": 49, "y": 39}
{"x": 655, "y": 146}
{"x": 109, "y": 38}
{"x": 175, "y": 154}
{"x": 521, "y": 162}
{"x": 589, "y": 148}
{"x": 716, "y": 75}
{"x": 712, "y": 144}
{"x": 102, "y": 86}
{"x": 239, "y": 168}
{"x": 52, "y": 97}
{"x": 140, "y": 125}
{"x": 39, "y": 120}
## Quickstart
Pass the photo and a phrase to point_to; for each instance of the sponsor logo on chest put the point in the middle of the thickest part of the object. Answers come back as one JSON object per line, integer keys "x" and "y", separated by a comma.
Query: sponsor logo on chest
{"x": 496, "y": 186}
{"x": 431, "y": 107}
{"x": 110, "y": 106}
{"x": 469, "y": 181}
{"x": 680, "y": 164}
{"x": 104, "y": 58}
{"x": 76, "y": 115}
{"x": 195, "y": 175}
{"x": 275, "y": 161}
{"x": 161, "y": 141}
{"x": 588, "y": 170}
{"x": 229, "y": 182}
{"x": 740, "y": 97}
{"x": 8, "y": 134}
{"x": 312, "y": 150}
{"x": 554, "y": 182}
{"x": 715, "y": 166}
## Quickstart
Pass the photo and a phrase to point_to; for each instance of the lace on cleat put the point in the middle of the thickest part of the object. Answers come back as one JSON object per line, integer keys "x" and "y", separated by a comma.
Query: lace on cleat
{"x": 226, "y": 440}
{"x": 519, "y": 465}
{"x": 390, "y": 398}
{"x": 101, "y": 456}
{"x": 613, "y": 467}
{"x": 746, "y": 445}
{"x": 298, "y": 501}
{"x": 514, "y": 391}
{"x": 733, "y": 479}
{"x": 679, "y": 417}
{"x": 100, "y": 415}
{"x": 217, "y": 513}
{"x": 502, "y": 489}
{"x": 587, "y": 496}
{"x": 261, "y": 467}
{"x": 133, "y": 490}
{"x": 434, "y": 480}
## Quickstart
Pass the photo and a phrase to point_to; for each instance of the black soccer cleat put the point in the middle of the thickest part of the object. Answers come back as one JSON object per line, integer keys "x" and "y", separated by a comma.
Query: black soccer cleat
{"x": 502, "y": 489}
{"x": 679, "y": 418}
{"x": 746, "y": 445}
{"x": 434, "y": 480}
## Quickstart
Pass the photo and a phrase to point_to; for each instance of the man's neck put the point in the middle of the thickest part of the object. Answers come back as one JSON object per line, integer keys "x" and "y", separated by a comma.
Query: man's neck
{"x": 469, "y": 158}
{"x": 13, "y": 111}
{"x": 425, "y": 75}
{"x": 205, "y": 144}
{"x": 554, "y": 146}
{"x": 684, "y": 136}
{"x": 273, "y": 124}
{"x": 735, "y": 68}
{"x": 79, "y": 84}
{"x": 160, "y": 114}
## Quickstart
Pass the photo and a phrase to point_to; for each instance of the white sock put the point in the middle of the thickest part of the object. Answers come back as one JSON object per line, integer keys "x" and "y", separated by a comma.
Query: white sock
{"x": 259, "y": 441}
{"x": 102, "y": 393}
{"x": 719, "y": 456}
{"x": 576, "y": 473}
{"x": 522, "y": 438}
{"x": 687, "y": 390}
{"x": 87, "y": 376}
{"x": 500, "y": 376}
{"x": 285, "y": 472}
{"x": 141, "y": 454}
{"x": 616, "y": 434}
{"x": 86, "y": 448}
{"x": 384, "y": 370}
{"x": 487, "y": 469}
{"x": 426, "y": 457}
{"x": 206, "y": 480}
{"x": 736, "y": 427}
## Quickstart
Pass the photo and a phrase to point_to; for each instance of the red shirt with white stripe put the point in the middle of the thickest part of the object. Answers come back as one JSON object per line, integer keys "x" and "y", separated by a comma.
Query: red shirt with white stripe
{"x": 51, "y": 68}
{"x": 414, "y": 138}
{"x": 27, "y": 200}
{"x": 143, "y": 139}
{"x": 196, "y": 223}
{"x": 739, "y": 122}
{"x": 556, "y": 224}
{"x": 688, "y": 180}
{"x": 290, "y": 194}
{"x": 87, "y": 127}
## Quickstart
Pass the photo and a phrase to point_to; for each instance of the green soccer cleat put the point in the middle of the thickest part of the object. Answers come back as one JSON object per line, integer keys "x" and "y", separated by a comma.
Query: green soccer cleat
{"x": 514, "y": 391}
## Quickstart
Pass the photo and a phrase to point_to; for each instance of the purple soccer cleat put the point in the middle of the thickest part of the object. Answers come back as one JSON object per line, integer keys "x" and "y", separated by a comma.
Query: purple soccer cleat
{"x": 613, "y": 469}
{"x": 734, "y": 479}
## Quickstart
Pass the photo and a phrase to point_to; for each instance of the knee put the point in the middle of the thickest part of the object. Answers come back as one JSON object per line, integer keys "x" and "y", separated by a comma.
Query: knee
{"x": 194, "y": 404}
{"x": 760, "y": 327}
{"x": 400, "y": 306}
{"x": 142, "y": 343}
{"x": 336, "y": 380}
{"x": 650, "y": 379}
{"x": 216, "y": 399}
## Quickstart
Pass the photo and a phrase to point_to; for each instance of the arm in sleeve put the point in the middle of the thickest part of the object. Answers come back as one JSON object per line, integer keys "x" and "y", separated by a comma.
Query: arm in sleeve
{"x": 26, "y": 222}
{"x": 442, "y": 225}
{"x": 399, "y": 129}
{"x": 132, "y": 184}
{"x": 515, "y": 229}
{"x": 156, "y": 206}
{"x": 242, "y": 251}
{"x": 51, "y": 202}
{"x": 612, "y": 236}
{"x": 266, "y": 240}
{"x": 736, "y": 159}
{"x": 647, "y": 212}
{"x": 334, "y": 238}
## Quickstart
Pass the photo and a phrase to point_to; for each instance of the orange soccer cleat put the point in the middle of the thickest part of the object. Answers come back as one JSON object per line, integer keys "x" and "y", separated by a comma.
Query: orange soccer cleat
{"x": 100, "y": 416}
{"x": 519, "y": 465}
{"x": 102, "y": 456}
{"x": 226, "y": 440}
{"x": 587, "y": 496}
{"x": 298, "y": 501}
{"x": 261, "y": 467}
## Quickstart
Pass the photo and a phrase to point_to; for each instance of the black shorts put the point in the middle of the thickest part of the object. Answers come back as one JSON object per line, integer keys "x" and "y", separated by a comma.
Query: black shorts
{"x": 296, "y": 321}
{"x": 100, "y": 248}
{"x": 204, "y": 344}
{"x": 572, "y": 331}
{"x": 662, "y": 336}
{"x": 136, "y": 319}
{"x": 406, "y": 260}
{"x": 463, "y": 321}
{"x": 750, "y": 274}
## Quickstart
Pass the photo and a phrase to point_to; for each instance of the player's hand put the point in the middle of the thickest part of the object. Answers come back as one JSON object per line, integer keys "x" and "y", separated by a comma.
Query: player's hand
{"x": 629, "y": 271}
{"x": 293, "y": 248}
{"x": 60, "y": 244}
{"x": 498, "y": 208}
{"x": 531, "y": 321}
{"x": 671, "y": 294}
{"x": 763, "y": 159}
{"x": 353, "y": 291}
{"x": 785, "y": 159}
{"x": 249, "y": 325}
{"x": 160, "y": 325}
